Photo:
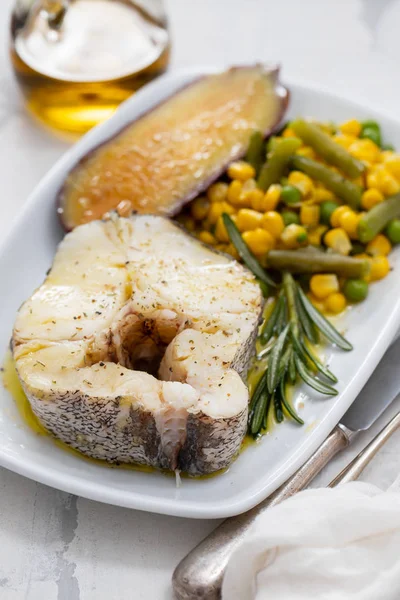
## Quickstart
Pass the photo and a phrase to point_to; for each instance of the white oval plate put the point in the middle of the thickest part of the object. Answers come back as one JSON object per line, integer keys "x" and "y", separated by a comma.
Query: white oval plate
{"x": 28, "y": 252}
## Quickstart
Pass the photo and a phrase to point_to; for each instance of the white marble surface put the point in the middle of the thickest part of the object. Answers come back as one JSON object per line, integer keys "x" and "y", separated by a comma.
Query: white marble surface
{"x": 57, "y": 547}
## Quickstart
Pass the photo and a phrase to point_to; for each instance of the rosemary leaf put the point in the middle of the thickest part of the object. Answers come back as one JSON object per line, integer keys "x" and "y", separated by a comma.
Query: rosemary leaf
{"x": 273, "y": 370}
{"x": 278, "y": 408}
{"x": 244, "y": 252}
{"x": 320, "y": 366}
{"x": 269, "y": 326}
{"x": 259, "y": 412}
{"x": 308, "y": 327}
{"x": 289, "y": 409}
{"x": 282, "y": 317}
{"x": 323, "y": 324}
{"x": 292, "y": 369}
{"x": 259, "y": 390}
{"x": 312, "y": 381}
{"x": 305, "y": 355}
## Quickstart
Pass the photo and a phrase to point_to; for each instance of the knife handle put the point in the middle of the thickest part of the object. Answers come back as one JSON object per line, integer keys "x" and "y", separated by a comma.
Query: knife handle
{"x": 199, "y": 575}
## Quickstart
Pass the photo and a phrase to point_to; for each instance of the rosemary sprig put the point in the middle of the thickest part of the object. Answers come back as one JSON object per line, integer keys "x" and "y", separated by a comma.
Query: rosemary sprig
{"x": 293, "y": 324}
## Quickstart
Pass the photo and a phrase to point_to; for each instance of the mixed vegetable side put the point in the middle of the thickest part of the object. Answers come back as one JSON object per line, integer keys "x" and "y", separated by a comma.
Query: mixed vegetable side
{"x": 317, "y": 201}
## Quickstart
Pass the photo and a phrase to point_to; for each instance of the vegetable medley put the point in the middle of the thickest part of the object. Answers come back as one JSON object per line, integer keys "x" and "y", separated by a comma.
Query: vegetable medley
{"x": 321, "y": 188}
{"x": 316, "y": 201}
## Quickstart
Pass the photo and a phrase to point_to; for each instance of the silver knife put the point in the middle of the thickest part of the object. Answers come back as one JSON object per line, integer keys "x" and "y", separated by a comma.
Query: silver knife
{"x": 199, "y": 575}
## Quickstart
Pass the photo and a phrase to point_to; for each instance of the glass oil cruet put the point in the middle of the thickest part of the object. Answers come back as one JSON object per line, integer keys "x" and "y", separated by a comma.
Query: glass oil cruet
{"x": 77, "y": 60}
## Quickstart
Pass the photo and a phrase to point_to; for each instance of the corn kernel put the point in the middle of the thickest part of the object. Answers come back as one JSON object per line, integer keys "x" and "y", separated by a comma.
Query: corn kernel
{"x": 272, "y": 197}
{"x": 309, "y": 214}
{"x": 220, "y": 231}
{"x": 338, "y": 240}
{"x": 199, "y": 208}
{"x": 230, "y": 249}
{"x": 379, "y": 246}
{"x": 372, "y": 179}
{"x": 207, "y": 238}
{"x": 315, "y": 234}
{"x": 335, "y": 303}
{"x": 344, "y": 140}
{"x": 338, "y": 213}
{"x": 303, "y": 182}
{"x": 306, "y": 151}
{"x": 256, "y": 200}
{"x": 351, "y": 127}
{"x": 247, "y": 193}
{"x": 188, "y": 222}
{"x": 259, "y": 241}
{"x": 349, "y": 222}
{"x": 380, "y": 267}
{"x": 249, "y": 185}
{"x": 216, "y": 210}
{"x": 392, "y": 163}
{"x": 217, "y": 192}
{"x": 385, "y": 182}
{"x": 234, "y": 192}
{"x": 365, "y": 150}
{"x": 287, "y": 132}
{"x": 370, "y": 198}
{"x": 389, "y": 185}
{"x": 248, "y": 219}
{"x": 322, "y": 194}
{"x": 272, "y": 221}
{"x": 241, "y": 170}
{"x": 294, "y": 236}
{"x": 324, "y": 285}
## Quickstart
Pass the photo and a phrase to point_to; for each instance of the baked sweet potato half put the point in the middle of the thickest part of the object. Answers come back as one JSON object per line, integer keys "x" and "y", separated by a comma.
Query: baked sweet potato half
{"x": 170, "y": 154}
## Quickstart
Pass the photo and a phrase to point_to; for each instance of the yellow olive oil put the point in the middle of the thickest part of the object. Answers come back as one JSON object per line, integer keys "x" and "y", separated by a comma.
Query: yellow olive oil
{"x": 76, "y": 69}
{"x": 12, "y": 384}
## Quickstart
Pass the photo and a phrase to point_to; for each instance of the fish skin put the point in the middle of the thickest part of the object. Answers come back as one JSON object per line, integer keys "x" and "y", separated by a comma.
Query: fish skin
{"x": 168, "y": 300}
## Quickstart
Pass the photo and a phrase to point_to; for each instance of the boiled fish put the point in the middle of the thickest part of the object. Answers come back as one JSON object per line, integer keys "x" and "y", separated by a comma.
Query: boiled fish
{"x": 136, "y": 346}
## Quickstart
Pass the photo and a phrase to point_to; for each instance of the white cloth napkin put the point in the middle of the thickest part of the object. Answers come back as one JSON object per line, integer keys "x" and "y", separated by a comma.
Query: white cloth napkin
{"x": 322, "y": 544}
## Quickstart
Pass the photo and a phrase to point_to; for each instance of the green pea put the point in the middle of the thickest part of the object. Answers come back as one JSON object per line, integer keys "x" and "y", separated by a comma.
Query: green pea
{"x": 355, "y": 290}
{"x": 290, "y": 195}
{"x": 326, "y": 210}
{"x": 302, "y": 237}
{"x": 393, "y": 231}
{"x": 372, "y": 134}
{"x": 289, "y": 217}
{"x": 370, "y": 123}
{"x": 371, "y": 130}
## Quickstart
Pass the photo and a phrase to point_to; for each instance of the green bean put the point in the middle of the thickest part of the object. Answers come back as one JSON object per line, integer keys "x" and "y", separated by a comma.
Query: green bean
{"x": 341, "y": 187}
{"x": 322, "y": 143}
{"x": 277, "y": 162}
{"x": 305, "y": 261}
{"x": 255, "y": 151}
{"x": 376, "y": 219}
